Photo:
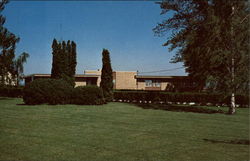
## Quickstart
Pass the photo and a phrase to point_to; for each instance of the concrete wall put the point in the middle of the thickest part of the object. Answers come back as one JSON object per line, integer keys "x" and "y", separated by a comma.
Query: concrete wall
{"x": 93, "y": 72}
{"x": 141, "y": 85}
{"x": 124, "y": 80}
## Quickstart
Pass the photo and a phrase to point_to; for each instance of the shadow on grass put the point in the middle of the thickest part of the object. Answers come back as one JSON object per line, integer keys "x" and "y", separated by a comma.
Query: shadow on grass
{"x": 244, "y": 142}
{"x": 5, "y": 98}
{"x": 179, "y": 108}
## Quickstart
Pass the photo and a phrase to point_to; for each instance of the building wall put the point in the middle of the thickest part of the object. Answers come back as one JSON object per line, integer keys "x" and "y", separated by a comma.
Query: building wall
{"x": 165, "y": 84}
{"x": 141, "y": 85}
{"x": 124, "y": 80}
{"x": 95, "y": 72}
{"x": 80, "y": 82}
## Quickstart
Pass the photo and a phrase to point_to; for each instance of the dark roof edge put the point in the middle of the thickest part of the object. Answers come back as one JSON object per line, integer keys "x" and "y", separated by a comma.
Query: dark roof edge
{"x": 48, "y": 75}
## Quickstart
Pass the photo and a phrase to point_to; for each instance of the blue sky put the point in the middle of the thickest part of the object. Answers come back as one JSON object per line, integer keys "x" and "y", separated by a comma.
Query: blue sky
{"x": 124, "y": 28}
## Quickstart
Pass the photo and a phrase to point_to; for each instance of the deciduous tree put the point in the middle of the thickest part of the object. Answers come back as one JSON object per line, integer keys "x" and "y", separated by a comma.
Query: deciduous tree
{"x": 211, "y": 38}
{"x": 8, "y": 43}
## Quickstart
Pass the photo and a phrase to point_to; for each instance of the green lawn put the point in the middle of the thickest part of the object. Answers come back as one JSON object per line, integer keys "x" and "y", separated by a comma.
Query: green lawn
{"x": 118, "y": 131}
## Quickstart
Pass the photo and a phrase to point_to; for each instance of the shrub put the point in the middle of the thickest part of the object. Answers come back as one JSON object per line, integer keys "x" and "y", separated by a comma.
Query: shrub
{"x": 87, "y": 95}
{"x": 51, "y": 91}
{"x": 11, "y": 91}
{"x": 159, "y": 96}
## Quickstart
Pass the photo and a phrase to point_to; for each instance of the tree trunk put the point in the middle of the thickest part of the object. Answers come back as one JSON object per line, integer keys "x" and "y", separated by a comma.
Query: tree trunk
{"x": 232, "y": 106}
{"x": 17, "y": 79}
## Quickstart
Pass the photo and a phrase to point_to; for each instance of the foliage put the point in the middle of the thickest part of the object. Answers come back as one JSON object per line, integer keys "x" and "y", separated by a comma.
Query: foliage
{"x": 166, "y": 97}
{"x": 87, "y": 95}
{"x": 18, "y": 66}
{"x": 58, "y": 91}
{"x": 11, "y": 91}
{"x": 51, "y": 91}
{"x": 211, "y": 38}
{"x": 107, "y": 76}
{"x": 7, "y": 48}
{"x": 64, "y": 61}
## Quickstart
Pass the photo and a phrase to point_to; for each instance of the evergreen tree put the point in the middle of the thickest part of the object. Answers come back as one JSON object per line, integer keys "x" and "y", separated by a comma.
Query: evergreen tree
{"x": 64, "y": 61}
{"x": 55, "y": 53}
{"x": 68, "y": 53}
{"x": 107, "y": 76}
{"x": 73, "y": 61}
{"x": 211, "y": 38}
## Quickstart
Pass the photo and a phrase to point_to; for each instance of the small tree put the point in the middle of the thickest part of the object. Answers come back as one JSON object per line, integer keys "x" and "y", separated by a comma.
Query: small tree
{"x": 18, "y": 66}
{"x": 106, "y": 77}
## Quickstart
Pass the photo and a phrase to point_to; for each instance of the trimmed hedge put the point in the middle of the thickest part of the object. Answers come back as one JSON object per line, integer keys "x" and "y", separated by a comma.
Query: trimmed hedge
{"x": 11, "y": 91}
{"x": 58, "y": 91}
{"x": 87, "y": 95}
{"x": 51, "y": 91}
{"x": 166, "y": 97}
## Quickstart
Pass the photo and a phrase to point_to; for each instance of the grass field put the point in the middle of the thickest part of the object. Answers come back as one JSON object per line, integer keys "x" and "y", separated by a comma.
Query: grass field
{"x": 119, "y": 131}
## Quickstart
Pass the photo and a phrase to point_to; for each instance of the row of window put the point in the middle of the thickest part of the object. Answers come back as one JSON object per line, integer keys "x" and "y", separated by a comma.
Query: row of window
{"x": 152, "y": 83}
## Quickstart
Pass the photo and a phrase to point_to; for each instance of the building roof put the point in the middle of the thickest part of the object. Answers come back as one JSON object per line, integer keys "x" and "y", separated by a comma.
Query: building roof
{"x": 49, "y": 75}
{"x": 158, "y": 77}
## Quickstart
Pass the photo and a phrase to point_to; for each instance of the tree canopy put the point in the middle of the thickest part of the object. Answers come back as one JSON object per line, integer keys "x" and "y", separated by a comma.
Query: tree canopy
{"x": 64, "y": 61}
{"x": 211, "y": 37}
{"x": 8, "y": 43}
{"x": 106, "y": 76}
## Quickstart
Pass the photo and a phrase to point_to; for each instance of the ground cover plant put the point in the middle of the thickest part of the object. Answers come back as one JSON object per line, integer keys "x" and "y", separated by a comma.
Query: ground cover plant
{"x": 119, "y": 131}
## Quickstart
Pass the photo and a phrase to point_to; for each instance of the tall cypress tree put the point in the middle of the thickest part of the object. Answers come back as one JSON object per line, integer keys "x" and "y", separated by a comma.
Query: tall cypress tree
{"x": 54, "y": 70}
{"x": 107, "y": 76}
{"x": 68, "y": 53}
{"x": 73, "y": 61}
{"x": 64, "y": 61}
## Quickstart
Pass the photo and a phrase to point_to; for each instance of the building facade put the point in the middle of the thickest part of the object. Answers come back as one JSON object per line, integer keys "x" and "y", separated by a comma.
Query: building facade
{"x": 127, "y": 80}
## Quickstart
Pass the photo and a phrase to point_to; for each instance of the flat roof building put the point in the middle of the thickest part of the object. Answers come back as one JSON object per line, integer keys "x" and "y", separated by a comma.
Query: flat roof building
{"x": 129, "y": 80}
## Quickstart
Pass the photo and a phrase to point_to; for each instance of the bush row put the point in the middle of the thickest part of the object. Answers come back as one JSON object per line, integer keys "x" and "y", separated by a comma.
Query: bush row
{"x": 11, "y": 91}
{"x": 165, "y": 97}
{"x": 54, "y": 91}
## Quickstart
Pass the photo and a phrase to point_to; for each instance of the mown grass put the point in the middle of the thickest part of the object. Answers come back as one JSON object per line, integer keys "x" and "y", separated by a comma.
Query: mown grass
{"x": 119, "y": 131}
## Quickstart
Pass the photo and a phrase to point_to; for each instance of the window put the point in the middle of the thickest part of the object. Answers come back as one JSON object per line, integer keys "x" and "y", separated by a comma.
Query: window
{"x": 156, "y": 83}
{"x": 152, "y": 83}
{"x": 148, "y": 83}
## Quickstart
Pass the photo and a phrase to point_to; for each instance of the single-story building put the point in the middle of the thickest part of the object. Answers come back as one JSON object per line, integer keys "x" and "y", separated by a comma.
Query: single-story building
{"x": 126, "y": 80}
